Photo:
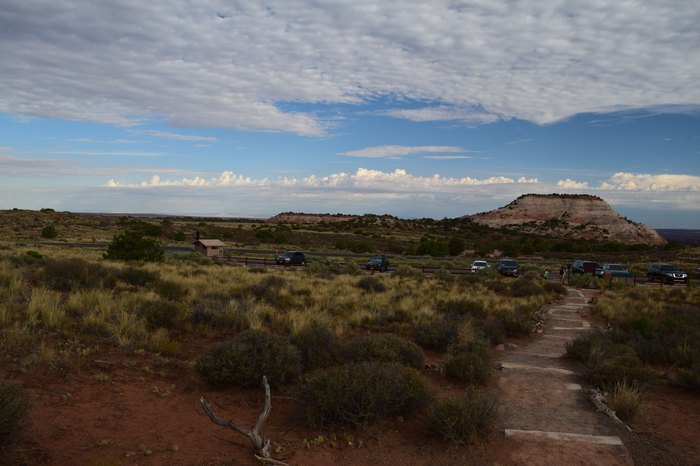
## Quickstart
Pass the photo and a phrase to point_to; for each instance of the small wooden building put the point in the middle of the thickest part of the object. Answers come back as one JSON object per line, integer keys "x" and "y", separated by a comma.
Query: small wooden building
{"x": 209, "y": 247}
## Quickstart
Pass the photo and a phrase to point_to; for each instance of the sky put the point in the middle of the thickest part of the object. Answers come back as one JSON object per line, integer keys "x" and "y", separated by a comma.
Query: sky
{"x": 431, "y": 108}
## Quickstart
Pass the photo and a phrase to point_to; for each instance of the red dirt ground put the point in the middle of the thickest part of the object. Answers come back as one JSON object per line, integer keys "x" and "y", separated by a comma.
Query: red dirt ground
{"x": 120, "y": 408}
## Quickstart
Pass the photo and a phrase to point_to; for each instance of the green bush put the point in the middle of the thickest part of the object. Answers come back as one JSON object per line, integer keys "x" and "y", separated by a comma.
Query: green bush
{"x": 13, "y": 410}
{"x": 386, "y": 347}
{"x": 358, "y": 394}
{"x": 160, "y": 313}
{"x": 520, "y": 322}
{"x": 435, "y": 334}
{"x": 371, "y": 284}
{"x": 610, "y": 363}
{"x": 465, "y": 418}
{"x": 556, "y": 288}
{"x": 469, "y": 362}
{"x": 137, "y": 277}
{"x": 318, "y": 346}
{"x": 248, "y": 356}
{"x": 462, "y": 307}
{"x": 523, "y": 288}
{"x": 49, "y": 232}
{"x": 171, "y": 290}
{"x": 72, "y": 274}
{"x": 132, "y": 246}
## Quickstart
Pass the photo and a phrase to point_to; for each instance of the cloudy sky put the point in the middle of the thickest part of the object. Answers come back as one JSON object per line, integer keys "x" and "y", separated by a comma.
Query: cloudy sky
{"x": 435, "y": 108}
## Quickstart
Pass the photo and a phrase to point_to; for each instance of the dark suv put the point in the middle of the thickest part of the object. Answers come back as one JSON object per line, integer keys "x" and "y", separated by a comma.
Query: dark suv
{"x": 581, "y": 266}
{"x": 508, "y": 267}
{"x": 666, "y": 273}
{"x": 380, "y": 263}
{"x": 291, "y": 258}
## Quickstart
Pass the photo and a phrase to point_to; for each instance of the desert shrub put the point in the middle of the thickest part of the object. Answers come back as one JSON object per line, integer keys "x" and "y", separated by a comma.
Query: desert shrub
{"x": 462, "y": 307}
{"x": 137, "y": 277}
{"x": 493, "y": 329}
{"x": 318, "y": 346}
{"x": 269, "y": 289}
{"x": 497, "y": 286}
{"x": 609, "y": 363}
{"x": 556, "y": 288}
{"x": 160, "y": 313}
{"x": 579, "y": 348}
{"x": 132, "y": 246}
{"x": 170, "y": 289}
{"x": 192, "y": 258}
{"x": 358, "y": 394}
{"x": 523, "y": 288}
{"x": 371, "y": 284}
{"x": 519, "y": 322}
{"x": 464, "y": 418}
{"x": 13, "y": 410}
{"x": 34, "y": 254}
{"x": 406, "y": 271}
{"x": 73, "y": 274}
{"x": 49, "y": 232}
{"x": 435, "y": 334}
{"x": 469, "y": 362}
{"x": 585, "y": 280}
{"x": 248, "y": 356}
{"x": 220, "y": 313}
{"x": 444, "y": 275}
{"x": 386, "y": 347}
{"x": 625, "y": 399}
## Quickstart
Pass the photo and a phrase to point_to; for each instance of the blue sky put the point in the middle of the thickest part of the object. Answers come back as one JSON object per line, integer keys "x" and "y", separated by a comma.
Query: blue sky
{"x": 412, "y": 108}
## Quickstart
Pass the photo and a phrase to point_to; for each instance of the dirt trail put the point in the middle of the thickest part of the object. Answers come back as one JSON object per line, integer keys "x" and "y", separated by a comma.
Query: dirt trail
{"x": 547, "y": 417}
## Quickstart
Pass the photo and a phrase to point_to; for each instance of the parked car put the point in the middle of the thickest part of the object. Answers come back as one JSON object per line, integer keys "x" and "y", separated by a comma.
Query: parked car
{"x": 581, "y": 266}
{"x": 508, "y": 267}
{"x": 291, "y": 258}
{"x": 479, "y": 265}
{"x": 616, "y": 270}
{"x": 666, "y": 273}
{"x": 380, "y": 263}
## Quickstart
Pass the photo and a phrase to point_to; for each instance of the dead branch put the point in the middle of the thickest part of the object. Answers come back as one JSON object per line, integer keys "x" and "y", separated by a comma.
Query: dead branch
{"x": 261, "y": 444}
{"x": 600, "y": 403}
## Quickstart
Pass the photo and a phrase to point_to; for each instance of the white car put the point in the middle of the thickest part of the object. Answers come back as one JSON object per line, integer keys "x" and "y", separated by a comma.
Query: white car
{"x": 478, "y": 266}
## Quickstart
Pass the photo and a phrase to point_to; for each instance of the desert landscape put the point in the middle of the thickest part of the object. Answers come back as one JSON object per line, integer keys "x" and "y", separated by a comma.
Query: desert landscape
{"x": 105, "y": 359}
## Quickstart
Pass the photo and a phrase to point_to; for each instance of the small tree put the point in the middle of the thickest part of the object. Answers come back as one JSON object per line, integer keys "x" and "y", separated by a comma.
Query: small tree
{"x": 131, "y": 245}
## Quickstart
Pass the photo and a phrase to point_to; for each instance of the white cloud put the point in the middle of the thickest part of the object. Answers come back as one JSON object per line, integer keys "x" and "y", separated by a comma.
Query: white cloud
{"x": 571, "y": 184}
{"x": 363, "y": 180}
{"x": 656, "y": 183}
{"x": 399, "y": 151}
{"x": 236, "y": 64}
{"x": 444, "y": 113}
{"x": 178, "y": 137}
{"x": 5, "y": 148}
{"x": 447, "y": 157}
{"x": 226, "y": 178}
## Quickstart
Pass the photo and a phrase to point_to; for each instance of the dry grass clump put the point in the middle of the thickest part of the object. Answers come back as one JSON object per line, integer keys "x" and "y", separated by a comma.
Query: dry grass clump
{"x": 626, "y": 399}
{"x": 45, "y": 309}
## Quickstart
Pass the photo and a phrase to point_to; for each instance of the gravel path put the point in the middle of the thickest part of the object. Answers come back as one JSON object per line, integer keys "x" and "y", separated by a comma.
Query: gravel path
{"x": 547, "y": 418}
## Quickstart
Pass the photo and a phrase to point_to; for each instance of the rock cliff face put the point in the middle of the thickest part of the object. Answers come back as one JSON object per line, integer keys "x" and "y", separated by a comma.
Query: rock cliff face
{"x": 568, "y": 215}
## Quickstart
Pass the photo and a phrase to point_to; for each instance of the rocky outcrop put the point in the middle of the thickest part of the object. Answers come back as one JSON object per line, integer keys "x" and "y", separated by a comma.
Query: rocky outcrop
{"x": 568, "y": 215}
